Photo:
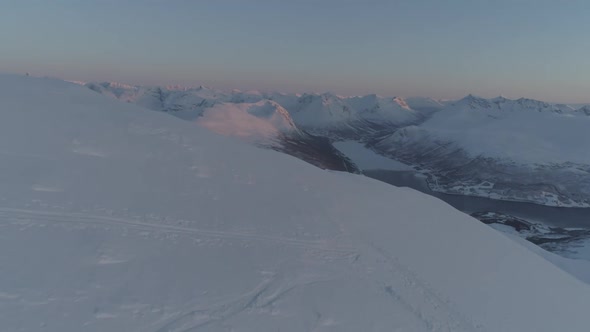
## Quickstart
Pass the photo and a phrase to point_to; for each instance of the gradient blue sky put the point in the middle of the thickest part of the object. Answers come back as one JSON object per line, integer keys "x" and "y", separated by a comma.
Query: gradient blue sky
{"x": 443, "y": 49}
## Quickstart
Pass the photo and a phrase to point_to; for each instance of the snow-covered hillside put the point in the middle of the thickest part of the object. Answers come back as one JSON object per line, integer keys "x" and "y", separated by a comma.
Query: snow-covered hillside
{"x": 259, "y": 122}
{"x": 250, "y": 116}
{"x": 509, "y": 149}
{"x": 114, "y": 218}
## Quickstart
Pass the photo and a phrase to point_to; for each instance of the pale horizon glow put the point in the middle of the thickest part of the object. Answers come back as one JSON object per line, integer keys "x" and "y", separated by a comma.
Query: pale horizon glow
{"x": 441, "y": 49}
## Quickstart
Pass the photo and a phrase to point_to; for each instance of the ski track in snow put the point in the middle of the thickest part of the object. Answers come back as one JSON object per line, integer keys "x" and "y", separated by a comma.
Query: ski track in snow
{"x": 38, "y": 216}
{"x": 261, "y": 297}
{"x": 434, "y": 311}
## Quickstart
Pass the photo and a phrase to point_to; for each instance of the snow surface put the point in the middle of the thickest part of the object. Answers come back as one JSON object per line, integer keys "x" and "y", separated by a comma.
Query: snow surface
{"x": 579, "y": 268}
{"x": 368, "y": 159}
{"x": 114, "y": 218}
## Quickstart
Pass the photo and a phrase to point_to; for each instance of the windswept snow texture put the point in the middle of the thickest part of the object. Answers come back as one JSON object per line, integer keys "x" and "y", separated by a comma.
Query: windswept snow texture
{"x": 114, "y": 218}
{"x": 523, "y": 150}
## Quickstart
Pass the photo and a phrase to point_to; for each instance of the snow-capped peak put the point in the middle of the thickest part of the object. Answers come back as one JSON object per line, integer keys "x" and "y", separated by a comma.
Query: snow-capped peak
{"x": 531, "y": 102}
{"x": 500, "y": 98}
{"x": 401, "y": 102}
{"x": 261, "y": 122}
{"x": 117, "y": 85}
{"x": 564, "y": 108}
{"x": 311, "y": 111}
{"x": 125, "y": 92}
{"x": 473, "y": 102}
{"x": 320, "y": 110}
{"x": 504, "y": 104}
{"x": 275, "y": 113}
{"x": 424, "y": 104}
{"x": 584, "y": 110}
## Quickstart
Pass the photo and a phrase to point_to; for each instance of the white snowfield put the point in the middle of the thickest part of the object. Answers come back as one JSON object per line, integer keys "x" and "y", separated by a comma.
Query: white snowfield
{"x": 114, "y": 218}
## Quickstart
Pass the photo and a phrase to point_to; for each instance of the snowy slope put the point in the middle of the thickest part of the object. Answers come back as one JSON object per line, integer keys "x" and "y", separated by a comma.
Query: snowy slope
{"x": 427, "y": 105}
{"x": 267, "y": 124}
{"x": 114, "y": 218}
{"x": 511, "y": 149}
{"x": 261, "y": 122}
{"x": 523, "y": 130}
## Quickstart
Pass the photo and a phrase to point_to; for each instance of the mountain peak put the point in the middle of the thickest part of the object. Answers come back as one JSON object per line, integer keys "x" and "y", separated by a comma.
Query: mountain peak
{"x": 584, "y": 110}
{"x": 401, "y": 102}
{"x": 473, "y": 102}
{"x": 500, "y": 98}
{"x": 505, "y": 104}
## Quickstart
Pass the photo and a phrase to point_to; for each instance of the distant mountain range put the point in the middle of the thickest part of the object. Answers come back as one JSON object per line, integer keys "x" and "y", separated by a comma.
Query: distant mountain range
{"x": 523, "y": 149}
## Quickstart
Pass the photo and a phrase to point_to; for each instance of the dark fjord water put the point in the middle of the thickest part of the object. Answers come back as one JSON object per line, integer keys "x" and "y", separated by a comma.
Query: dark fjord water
{"x": 553, "y": 216}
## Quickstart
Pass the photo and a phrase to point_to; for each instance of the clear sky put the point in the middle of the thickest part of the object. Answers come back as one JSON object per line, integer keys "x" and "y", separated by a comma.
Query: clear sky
{"x": 439, "y": 48}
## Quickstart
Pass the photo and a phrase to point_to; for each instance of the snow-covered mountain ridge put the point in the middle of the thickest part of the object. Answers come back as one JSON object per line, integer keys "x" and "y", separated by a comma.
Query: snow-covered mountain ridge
{"x": 115, "y": 218}
{"x": 335, "y": 116}
{"x": 250, "y": 116}
{"x": 523, "y": 149}
{"x": 324, "y": 114}
{"x": 508, "y": 105}
{"x": 261, "y": 121}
